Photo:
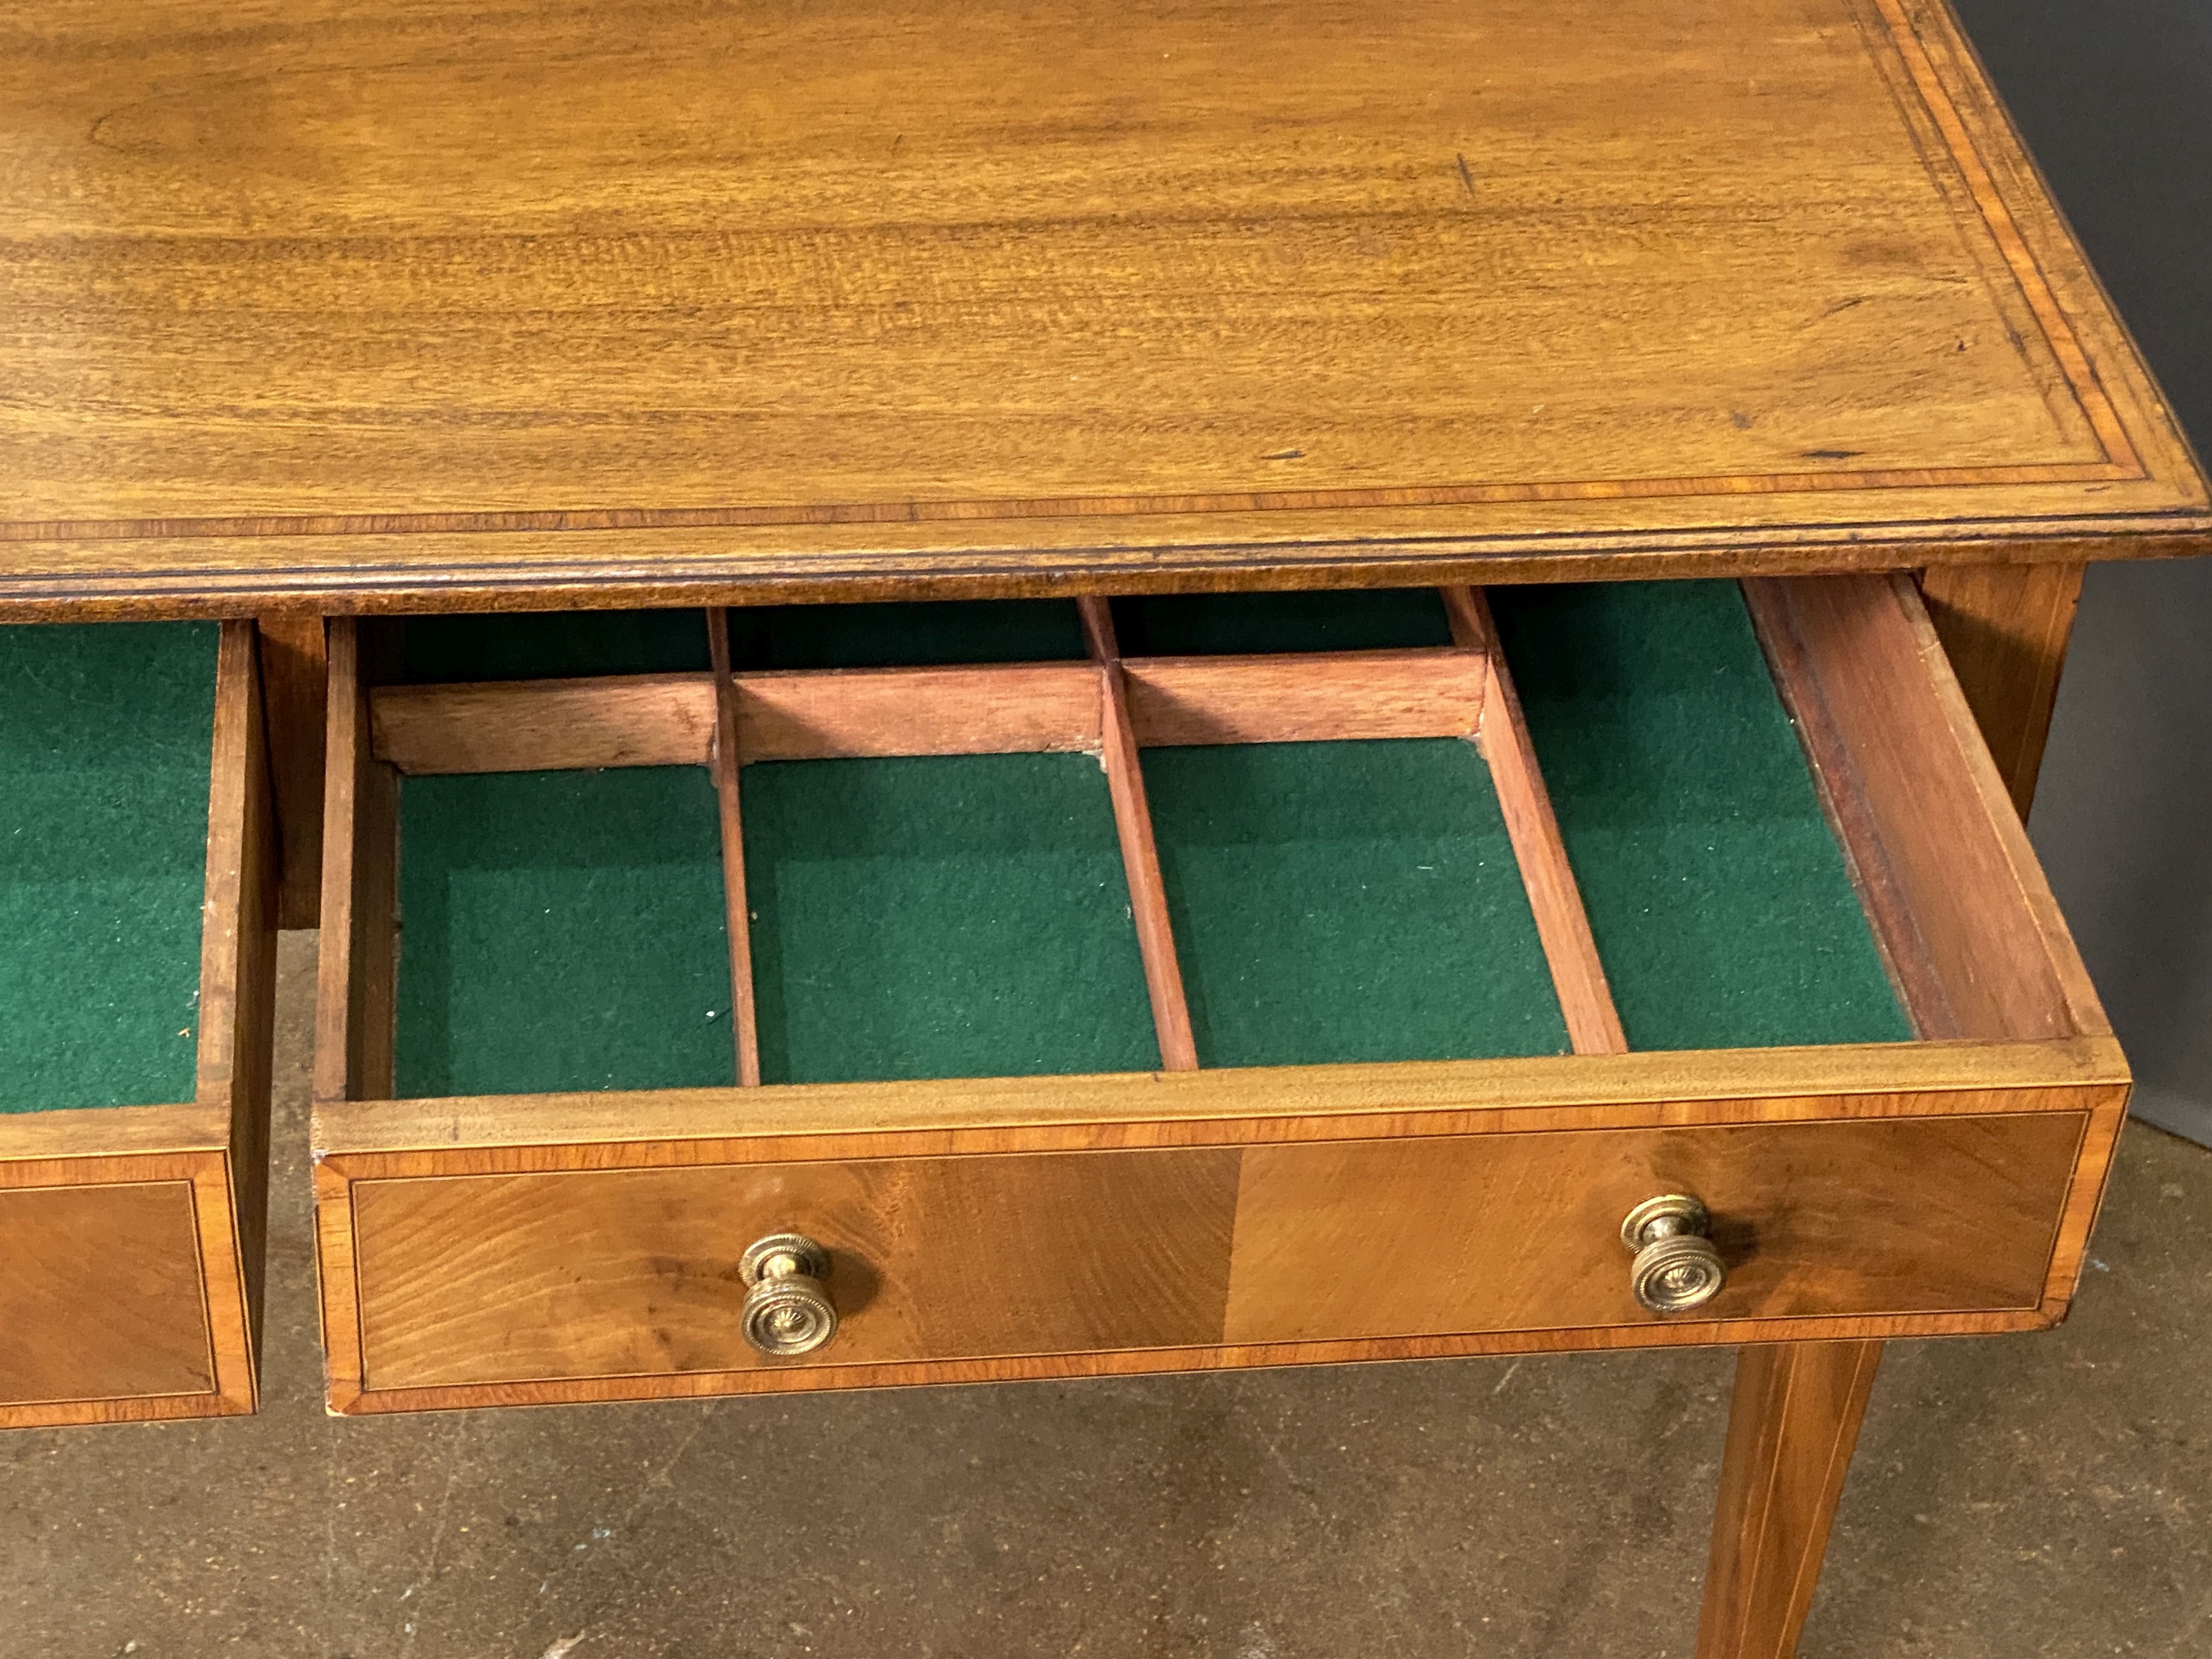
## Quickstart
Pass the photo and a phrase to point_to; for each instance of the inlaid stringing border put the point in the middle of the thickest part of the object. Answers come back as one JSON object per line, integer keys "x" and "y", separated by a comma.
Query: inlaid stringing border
{"x": 2121, "y": 462}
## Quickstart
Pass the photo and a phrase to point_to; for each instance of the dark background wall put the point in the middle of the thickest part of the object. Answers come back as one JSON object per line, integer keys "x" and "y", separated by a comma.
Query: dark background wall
{"x": 2115, "y": 98}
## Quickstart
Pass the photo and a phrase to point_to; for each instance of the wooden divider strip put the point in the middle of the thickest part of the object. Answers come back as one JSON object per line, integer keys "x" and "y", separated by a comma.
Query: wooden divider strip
{"x": 357, "y": 979}
{"x": 529, "y": 726}
{"x": 1140, "y": 857}
{"x": 1318, "y": 696}
{"x": 999, "y": 709}
{"x": 668, "y": 720}
{"x": 725, "y": 763}
{"x": 1578, "y": 973}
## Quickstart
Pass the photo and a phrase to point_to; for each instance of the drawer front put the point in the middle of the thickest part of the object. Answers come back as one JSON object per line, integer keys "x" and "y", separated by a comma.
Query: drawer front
{"x": 1522, "y": 1231}
{"x": 499, "y": 1278}
{"x": 536, "y": 1279}
{"x": 102, "y": 1295}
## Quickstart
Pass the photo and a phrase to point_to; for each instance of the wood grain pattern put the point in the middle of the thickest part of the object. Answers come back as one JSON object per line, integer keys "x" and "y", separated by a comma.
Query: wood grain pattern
{"x": 1792, "y": 1426}
{"x": 668, "y": 720}
{"x": 1958, "y": 906}
{"x": 2083, "y": 1009}
{"x": 1302, "y": 285}
{"x": 1003, "y": 708}
{"x": 726, "y": 763}
{"x": 524, "y": 725}
{"x": 1554, "y": 899}
{"x": 625, "y": 1280}
{"x": 1140, "y": 855}
{"x": 534, "y": 1277}
{"x": 2005, "y": 630}
{"x": 1370, "y": 1238}
{"x": 356, "y": 976}
{"x": 103, "y": 1298}
{"x": 296, "y": 685}
{"x": 2092, "y": 1171}
{"x": 1999, "y": 1135}
{"x": 1795, "y": 1415}
{"x": 347, "y": 1399}
{"x": 112, "y": 1131}
{"x": 613, "y": 1129}
{"x": 1308, "y": 697}
{"x": 238, "y": 999}
{"x": 2006, "y": 633}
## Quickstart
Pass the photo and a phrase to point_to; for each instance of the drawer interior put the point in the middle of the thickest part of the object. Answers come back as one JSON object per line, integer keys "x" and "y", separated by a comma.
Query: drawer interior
{"x": 936, "y": 916}
{"x": 105, "y": 743}
{"x": 1347, "y": 901}
{"x": 136, "y": 875}
{"x": 564, "y": 931}
{"x": 1715, "y": 886}
{"x": 932, "y": 868}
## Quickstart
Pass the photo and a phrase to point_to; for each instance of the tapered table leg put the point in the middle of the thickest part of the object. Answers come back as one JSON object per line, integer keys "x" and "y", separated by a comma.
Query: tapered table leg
{"x": 1796, "y": 1416}
{"x": 1792, "y": 1424}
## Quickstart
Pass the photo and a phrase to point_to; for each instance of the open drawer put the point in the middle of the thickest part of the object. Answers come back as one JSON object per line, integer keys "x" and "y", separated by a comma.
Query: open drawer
{"x": 840, "y": 996}
{"x": 135, "y": 996}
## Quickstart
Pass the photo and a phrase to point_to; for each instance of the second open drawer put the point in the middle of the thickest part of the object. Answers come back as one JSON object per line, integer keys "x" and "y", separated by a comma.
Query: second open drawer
{"x": 1215, "y": 985}
{"x": 136, "y": 982}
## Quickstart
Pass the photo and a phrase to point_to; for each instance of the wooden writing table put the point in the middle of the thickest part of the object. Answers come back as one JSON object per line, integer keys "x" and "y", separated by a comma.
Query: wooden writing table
{"x": 347, "y": 309}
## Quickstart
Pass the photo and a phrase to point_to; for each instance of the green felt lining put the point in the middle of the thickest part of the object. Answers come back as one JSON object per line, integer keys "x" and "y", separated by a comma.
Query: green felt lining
{"x": 1237, "y": 625}
{"x": 550, "y": 644}
{"x": 906, "y": 636}
{"x": 1347, "y": 901}
{"x": 1719, "y": 898}
{"x": 960, "y": 915}
{"x": 1362, "y": 619}
{"x": 562, "y": 929}
{"x": 966, "y": 915}
{"x": 107, "y": 734}
{"x": 556, "y": 645}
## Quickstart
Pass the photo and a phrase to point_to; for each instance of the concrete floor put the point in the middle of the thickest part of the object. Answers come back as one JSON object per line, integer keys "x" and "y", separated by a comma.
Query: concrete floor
{"x": 2019, "y": 1496}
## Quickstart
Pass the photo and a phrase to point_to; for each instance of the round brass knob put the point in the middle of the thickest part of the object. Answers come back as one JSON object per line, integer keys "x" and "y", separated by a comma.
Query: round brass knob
{"x": 1677, "y": 1266}
{"x": 788, "y": 1310}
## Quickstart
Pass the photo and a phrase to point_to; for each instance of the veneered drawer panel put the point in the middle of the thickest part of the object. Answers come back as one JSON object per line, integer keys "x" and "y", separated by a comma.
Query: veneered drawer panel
{"x": 495, "y": 1279}
{"x": 101, "y": 1295}
{"x": 632, "y": 1273}
{"x": 1522, "y": 1231}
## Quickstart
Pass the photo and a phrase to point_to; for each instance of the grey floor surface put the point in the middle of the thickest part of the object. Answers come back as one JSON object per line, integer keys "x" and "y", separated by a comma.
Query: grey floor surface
{"x": 2038, "y": 1495}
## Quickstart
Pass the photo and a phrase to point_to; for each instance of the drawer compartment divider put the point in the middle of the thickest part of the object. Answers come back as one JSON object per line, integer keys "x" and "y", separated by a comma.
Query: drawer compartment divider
{"x": 1140, "y": 855}
{"x": 728, "y": 762}
{"x": 1563, "y": 925}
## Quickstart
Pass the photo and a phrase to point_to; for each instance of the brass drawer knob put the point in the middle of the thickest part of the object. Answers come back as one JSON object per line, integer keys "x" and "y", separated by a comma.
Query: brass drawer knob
{"x": 1676, "y": 1266}
{"x": 788, "y": 1310}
